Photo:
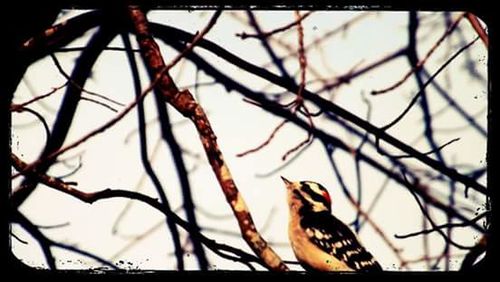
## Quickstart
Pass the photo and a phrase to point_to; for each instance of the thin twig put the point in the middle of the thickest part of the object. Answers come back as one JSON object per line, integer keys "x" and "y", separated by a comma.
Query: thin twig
{"x": 297, "y": 104}
{"x": 137, "y": 187}
{"x": 20, "y": 109}
{"x": 266, "y": 34}
{"x": 87, "y": 136}
{"x": 303, "y": 143}
{"x": 421, "y": 63}
{"x": 61, "y": 70}
{"x": 353, "y": 73}
{"x": 17, "y": 238}
{"x": 446, "y": 225}
{"x": 53, "y": 225}
{"x": 69, "y": 105}
{"x": 47, "y": 243}
{"x": 299, "y": 100}
{"x": 341, "y": 28}
{"x": 266, "y": 142}
{"x": 431, "y": 221}
{"x": 54, "y": 90}
{"x": 428, "y": 152}
{"x": 99, "y": 103}
{"x": 429, "y": 81}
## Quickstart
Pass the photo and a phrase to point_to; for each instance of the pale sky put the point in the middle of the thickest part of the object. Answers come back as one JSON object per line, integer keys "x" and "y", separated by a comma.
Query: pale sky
{"x": 112, "y": 159}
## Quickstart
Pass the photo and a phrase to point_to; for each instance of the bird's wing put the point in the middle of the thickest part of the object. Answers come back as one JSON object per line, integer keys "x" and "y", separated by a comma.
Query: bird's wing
{"x": 334, "y": 237}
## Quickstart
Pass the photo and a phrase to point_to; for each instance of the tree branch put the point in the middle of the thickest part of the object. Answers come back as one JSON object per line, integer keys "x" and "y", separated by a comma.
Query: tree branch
{"x": 170, "y": 35}
{"x": 92, "y": 197}
{"x": 278, "y": 110}
{"x": 67, "y": 109}
{"x": 184, "y": 102}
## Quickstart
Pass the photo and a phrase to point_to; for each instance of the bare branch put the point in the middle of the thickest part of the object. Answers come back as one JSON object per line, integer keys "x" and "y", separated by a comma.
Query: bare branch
{"x": 90, "y": 198}
{"x": 184, "y": 102}
{"x": 171, "y": 35}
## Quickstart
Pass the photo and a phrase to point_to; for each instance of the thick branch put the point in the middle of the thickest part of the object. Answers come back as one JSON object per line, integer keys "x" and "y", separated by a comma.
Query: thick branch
{"x": 184, "y": 102}
{"x": 478, "y": 28}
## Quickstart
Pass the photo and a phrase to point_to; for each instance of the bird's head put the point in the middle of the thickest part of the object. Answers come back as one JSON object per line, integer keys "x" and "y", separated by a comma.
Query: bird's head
{"x": 308, "y": 195}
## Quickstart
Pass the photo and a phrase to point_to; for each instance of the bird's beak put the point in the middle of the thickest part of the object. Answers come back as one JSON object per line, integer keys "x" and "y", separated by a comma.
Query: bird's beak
{"x": 287, "y": 182}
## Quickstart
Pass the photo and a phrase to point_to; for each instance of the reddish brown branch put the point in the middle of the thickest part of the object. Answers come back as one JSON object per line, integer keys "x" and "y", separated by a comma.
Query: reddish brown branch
{"x": 309, "y": 133}
{"x": 297, "y": 104}
{"x": 266, "y": 142}
{"x": 302, "y": 55}
{"x": 299, "y": 101}
{"x": 184, "y": 102}
{"x": 478, "y": 28}
{"x": 14, "y": 107}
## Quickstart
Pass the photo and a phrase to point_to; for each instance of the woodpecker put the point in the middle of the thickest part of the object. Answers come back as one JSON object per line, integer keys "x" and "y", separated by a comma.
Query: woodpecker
{"x": 320, "y": 241}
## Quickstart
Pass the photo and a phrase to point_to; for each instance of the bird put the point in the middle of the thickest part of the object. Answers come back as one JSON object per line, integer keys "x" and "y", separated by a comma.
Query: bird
{"x": 320, "y": 241}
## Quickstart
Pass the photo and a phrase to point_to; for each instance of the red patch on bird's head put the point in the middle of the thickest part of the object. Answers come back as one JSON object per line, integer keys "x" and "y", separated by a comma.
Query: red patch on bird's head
{"x": 327, "y": 197}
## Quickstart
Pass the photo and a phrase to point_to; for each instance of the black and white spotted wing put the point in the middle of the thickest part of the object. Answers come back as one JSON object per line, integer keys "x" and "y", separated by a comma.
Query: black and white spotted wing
{"x": 335, "y": 238}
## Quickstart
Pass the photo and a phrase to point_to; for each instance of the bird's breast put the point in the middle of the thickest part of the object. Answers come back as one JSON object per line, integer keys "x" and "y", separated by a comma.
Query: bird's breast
{"x": 308, "y": 254}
